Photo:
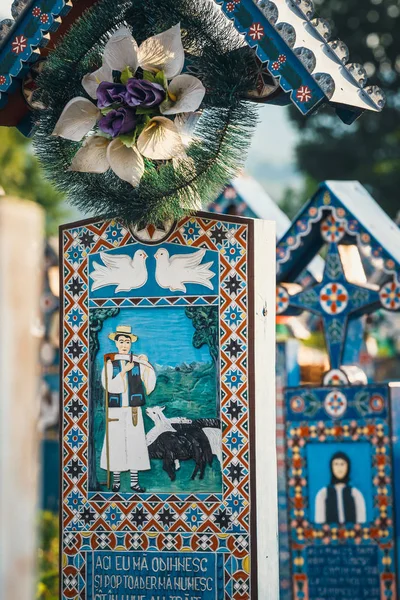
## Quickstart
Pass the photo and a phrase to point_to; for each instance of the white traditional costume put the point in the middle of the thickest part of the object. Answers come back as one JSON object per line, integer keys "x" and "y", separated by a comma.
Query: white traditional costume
{"x": 125, "y": 447}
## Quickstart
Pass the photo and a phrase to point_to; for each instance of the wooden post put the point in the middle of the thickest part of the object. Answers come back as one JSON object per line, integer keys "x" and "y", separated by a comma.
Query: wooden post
{"x": 21, "y": 239}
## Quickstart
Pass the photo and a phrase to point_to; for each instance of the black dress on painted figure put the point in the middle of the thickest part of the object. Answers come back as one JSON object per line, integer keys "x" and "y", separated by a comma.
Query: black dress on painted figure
{"x": 340, "y": 502}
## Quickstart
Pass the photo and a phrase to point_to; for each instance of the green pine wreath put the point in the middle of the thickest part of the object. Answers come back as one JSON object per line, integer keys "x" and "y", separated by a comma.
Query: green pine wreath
{"x": 219, "y": 59}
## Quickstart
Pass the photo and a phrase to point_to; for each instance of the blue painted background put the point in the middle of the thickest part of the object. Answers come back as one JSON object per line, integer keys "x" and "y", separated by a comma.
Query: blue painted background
{"x": 319, "y": 474}
{"x": 156, "y": 328}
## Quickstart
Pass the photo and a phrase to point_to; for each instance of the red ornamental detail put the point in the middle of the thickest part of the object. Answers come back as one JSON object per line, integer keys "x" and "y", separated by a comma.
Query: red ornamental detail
{"x": 332, "y": 230}
{"x": 256, "y": 31}
{"x": 36, "y": 11}
{"x": 44, "y": 18}
{"x": 282, "y": 58}
{"x": 19, "y": 44}
{"x": 390, "y": 295}
{"x": 2, "y": 80}
{"x": 230, "y": 7}
{"x": 333, "y": 298}
{"x": 335, "y": 404}
{"x": 275, "y": 66}
{"x": 304, "y": 94}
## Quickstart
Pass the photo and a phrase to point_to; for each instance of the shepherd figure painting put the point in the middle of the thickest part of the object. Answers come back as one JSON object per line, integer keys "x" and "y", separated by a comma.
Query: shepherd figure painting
{"x": 126, "y": 379}
{"x": 154, "y": 400}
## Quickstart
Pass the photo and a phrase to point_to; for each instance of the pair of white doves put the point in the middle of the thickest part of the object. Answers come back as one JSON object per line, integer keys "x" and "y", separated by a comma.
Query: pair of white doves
{"x": 172, "y": 272}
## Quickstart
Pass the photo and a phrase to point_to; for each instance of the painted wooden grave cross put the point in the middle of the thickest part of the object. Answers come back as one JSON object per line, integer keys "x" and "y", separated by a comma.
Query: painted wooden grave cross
{"x": 168, "y": 432}
{"x": 343, "y": 216}
{"x": 341, "y": 440}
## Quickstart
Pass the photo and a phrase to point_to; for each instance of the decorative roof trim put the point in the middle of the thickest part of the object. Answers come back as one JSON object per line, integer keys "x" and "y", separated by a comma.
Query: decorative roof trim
{"x": 21, "y": 40}
{"x": 298, "y": 235}
{"x": 313, "y": 69}
{"x": 294, "y": 47}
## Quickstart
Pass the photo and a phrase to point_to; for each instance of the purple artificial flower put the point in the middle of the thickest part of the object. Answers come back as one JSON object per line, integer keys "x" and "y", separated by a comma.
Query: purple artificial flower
{"x": 108, "y": 93}
{"x": 118, "y": 121}
{"x": 140, "y": 92}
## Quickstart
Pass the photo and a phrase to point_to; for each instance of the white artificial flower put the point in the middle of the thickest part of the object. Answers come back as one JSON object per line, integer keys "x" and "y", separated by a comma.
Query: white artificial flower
{"x": 185, "y": 94}
{"x": 161, "y": 138}
{"x": 162, "y": 52}
{"x": 98, "y": 154}
{"x": 77, "y": 119}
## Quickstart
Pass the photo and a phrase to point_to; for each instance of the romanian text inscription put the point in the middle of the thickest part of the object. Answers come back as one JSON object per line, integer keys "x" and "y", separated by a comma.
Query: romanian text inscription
{"x": 343, "y": 572}
{"x": 152, "y": 576}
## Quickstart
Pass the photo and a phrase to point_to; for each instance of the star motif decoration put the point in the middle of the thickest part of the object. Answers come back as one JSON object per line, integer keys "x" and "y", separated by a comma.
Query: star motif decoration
{"x": 75, "y": 349}
{"x": 234, "y": 410}
{"x": 138, "y": 516}
{"x": 233, "y": 285}
{"x": 223, "y": 518}
{"x": 153, "y": 233}
{"x": 234, "y": 348}
{"x": 218, "y": 234}
{"x": 167, "y": 517}
{"x": 87, "y": 239}
{"x": 235, "y": 472}
{"x": 76, "y": 287}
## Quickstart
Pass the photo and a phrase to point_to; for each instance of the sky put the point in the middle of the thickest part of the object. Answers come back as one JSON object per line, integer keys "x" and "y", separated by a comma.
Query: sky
{"x": 271, "y": 156}
{"x": 154, "y": 329}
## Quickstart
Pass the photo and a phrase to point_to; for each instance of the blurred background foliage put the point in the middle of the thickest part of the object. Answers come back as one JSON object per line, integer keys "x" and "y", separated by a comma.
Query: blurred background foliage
{"x": 48, "y": 553}
{"x": 369, "y": 149}
{"x": 21, "y": 176}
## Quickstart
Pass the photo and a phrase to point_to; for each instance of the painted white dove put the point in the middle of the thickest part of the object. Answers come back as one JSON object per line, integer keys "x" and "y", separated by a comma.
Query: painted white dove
{"x": 172, "y": 272}
{"x": 121, "y": 270}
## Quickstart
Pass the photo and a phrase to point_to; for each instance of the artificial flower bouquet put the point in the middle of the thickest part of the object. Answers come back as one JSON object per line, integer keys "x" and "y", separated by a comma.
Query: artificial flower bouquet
{"x": 142, "y": 102}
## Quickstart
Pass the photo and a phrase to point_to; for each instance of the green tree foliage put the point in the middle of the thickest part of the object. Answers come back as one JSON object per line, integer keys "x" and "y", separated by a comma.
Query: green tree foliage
{"x": 369, "y": 149}
{"x": 21, "y": 176}
{"x": 205, "y": 322}
{"x": 48, "y": 553}
{"x": 206, "y": 325}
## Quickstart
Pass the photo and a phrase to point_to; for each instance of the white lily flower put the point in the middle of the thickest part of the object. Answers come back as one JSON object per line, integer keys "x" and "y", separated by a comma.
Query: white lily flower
{"x": 98, "y": 154}
{"x": 77, "y": 119}
{"x": 160, "y": 140}
{"x": 125, "y": 162}
{"x": 185, "y": 94}
{"x": 91, "y": 81}
{"x": 121, "y": 51}
{"x": 92, "y": 157}
{"x": 162, "y": 52}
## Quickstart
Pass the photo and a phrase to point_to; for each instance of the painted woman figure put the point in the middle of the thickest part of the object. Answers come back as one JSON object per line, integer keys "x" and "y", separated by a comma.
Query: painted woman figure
{"x": 340, "y": 502}
{"x": 127, "y": 378}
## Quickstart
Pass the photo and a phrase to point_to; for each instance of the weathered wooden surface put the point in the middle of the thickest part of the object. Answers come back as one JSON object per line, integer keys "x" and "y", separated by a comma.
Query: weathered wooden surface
{"x": 21, "y": 234}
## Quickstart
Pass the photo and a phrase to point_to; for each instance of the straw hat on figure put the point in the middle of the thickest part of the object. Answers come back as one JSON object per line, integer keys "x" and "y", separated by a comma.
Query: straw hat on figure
{"x": 126, "y": 378}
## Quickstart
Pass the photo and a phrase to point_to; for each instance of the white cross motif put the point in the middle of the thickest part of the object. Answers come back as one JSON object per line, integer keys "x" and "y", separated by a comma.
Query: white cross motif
{"x": 256, "y": 31}
{"x": 304, "y": 94}
{"x": 19, "y": 44}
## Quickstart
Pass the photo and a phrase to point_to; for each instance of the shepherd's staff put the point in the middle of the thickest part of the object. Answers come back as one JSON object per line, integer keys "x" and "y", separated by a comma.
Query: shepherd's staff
{"x": 106, "y": 358}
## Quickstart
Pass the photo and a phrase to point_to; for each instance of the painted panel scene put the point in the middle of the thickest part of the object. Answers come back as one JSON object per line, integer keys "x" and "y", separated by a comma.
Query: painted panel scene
{"x": 154, "y": 408}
